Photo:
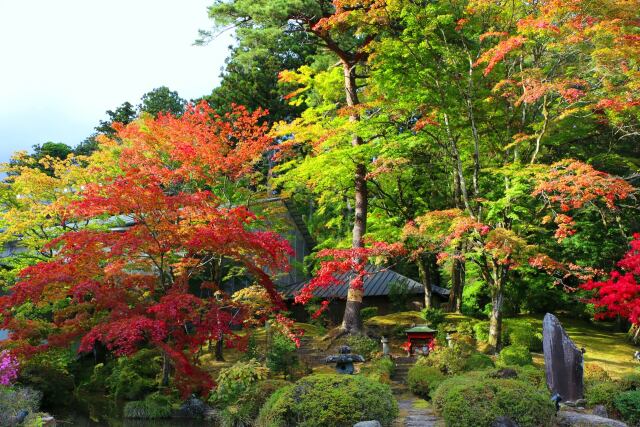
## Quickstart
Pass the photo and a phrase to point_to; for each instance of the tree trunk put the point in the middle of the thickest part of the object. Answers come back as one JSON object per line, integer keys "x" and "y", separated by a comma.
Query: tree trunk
{"x": 497, "y": 301}
{"x": 457, "y": 284}
{"x": 352, "y": 322}
{"x": 219, "y": 350}
{"x": 166, "y": 370}
{"x": 425, "y": 277}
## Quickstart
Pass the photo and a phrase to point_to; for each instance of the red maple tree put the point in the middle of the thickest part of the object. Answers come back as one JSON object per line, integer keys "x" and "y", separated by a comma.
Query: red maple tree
{"x": 130, "y": 289}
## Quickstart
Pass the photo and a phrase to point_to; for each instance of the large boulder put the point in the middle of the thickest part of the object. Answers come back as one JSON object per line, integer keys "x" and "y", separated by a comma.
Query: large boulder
{"x": 563, "y": 361}
{"x": 578, "y": 419}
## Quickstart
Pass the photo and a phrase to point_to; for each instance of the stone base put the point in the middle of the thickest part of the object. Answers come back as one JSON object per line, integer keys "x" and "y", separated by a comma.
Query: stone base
{"x": 578, "y": 419}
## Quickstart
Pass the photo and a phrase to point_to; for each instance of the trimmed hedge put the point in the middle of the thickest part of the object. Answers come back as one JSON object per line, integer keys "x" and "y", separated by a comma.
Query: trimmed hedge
{"x": 244, "y": 410}
{"x": 423, "y": 380}
{"x": 515, "y": 355}
{"x": 329, "y": 400}
{"x": 478, "y": 361}
{"x": 628, "y": 404}
{"x": 470, "y": 400}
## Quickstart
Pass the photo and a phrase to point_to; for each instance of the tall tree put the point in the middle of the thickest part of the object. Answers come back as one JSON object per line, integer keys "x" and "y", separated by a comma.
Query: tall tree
{"x": 162, "y": 100}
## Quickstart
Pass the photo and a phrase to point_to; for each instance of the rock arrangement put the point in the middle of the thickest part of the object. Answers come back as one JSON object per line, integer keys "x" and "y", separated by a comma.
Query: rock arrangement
{"x": 563, "y": 361}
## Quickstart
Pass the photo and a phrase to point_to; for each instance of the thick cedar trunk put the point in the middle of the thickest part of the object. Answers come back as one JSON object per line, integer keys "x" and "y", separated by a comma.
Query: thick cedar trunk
{"x": 351, "y": 322}
{"x": 424, "y": 271}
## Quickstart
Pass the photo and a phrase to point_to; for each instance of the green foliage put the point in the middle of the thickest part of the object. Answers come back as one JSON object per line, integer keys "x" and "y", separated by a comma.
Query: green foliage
{"x": 368, "y": 312}
{"x": 244, "y": 410}
{"x": 282, "y": 357}
{"x": 522, "y": 333}
{"x": 433, "y": 316}
{"x": 379, "y": 369}
{"x": 329, "y": 401}
{"x": 16, "y": 398}
{"x": 449, "y": 360}
{"x": 49, "y": 373}
{"x": 631, "y": 381}
{"x": 363, "y": 345}
{"x": 134, "y": 376}
{"x": 423, "y": 380}
{"x": 603, "y": 393}
{"x": 478, "y": 361}
{"x": 514, "y": 355}
{"x": 153, "y": 406}
{"x": 234, "y": 381}
{"x": 594, "y": 373}
{"x": 628, "y": 404}
{"x": 471, "y": 401}
{"x": 162, "y": 100}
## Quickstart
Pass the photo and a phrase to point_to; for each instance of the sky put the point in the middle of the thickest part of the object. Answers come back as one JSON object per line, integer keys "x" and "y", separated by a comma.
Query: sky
{"x": 64, "y": 63}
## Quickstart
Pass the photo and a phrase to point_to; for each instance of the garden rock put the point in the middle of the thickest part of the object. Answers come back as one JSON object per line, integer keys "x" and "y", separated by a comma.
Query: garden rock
{"x": 368, "y": 424}
{"x": 563, "y": 361}
{"x": 577, "y": 419}
{"x": 600, "y": 411}
{"x": 504, "y": 422}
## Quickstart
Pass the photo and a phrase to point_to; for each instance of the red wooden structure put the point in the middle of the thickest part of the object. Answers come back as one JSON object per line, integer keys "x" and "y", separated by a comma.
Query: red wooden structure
{"x": 420, "y": 340}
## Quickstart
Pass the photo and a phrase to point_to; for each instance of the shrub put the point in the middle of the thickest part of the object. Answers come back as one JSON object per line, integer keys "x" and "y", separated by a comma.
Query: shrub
{"x": 603, "y": 393}
{"x": 631, "y": 381}
{"x": 15, "y": 399}
{"x": 245, "y": 409}
{"x": 594, "y": 373}
{"x": 380, "y": 369}
{"x": 329, "y": 400}
{"x": 628, "y": 404}
{"x": 433, "y": 316}
{"x": 514, "y": 355}
{"x": 134, "y": 376}
{"x": 49, "y": 373}
{"x": 153, "y": 406}
{"x": 234, "y": 381}
{"x": 477, "y": 361}
{"x": 8, "y": 368}
{"x": 422, "y": 380}
{"x": 282, "y": 356}
{"x": 449, "y": 360}
{"x": 472, "y": 401}
{"x": 522, "y": 333}
{"x": 368, "y": 312}
{"x": 363, "y": 346}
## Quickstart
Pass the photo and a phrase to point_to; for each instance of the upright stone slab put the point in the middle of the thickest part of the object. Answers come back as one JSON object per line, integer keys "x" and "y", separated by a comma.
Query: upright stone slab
{"x": 563, "y": 362}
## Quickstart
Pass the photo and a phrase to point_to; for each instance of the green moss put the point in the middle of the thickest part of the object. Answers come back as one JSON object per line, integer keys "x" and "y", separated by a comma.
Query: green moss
{"x": 329, "y": 400}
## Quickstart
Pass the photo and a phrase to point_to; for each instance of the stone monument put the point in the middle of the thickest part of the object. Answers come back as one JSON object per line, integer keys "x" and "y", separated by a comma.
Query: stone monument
{"x": 563, "y": 361}
{"x": 344, "y": 361}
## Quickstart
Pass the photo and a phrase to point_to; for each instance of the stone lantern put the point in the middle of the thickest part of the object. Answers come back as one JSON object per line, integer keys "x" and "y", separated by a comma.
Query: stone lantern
{"x": 344, "y": 361}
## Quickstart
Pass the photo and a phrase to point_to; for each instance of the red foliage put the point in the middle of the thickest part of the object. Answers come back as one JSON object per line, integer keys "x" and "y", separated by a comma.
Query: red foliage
{"x": 346, "y": 261}
{"x": 619, "y": 295}
{"x": 129, "y": 289}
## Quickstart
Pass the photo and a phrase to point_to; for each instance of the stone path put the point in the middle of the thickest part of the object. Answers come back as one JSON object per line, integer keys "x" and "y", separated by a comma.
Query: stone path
{"x": 414, "y": 412}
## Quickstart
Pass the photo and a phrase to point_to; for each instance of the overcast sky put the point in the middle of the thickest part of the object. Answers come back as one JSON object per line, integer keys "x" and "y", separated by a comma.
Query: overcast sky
{"x": 63, "y": 63}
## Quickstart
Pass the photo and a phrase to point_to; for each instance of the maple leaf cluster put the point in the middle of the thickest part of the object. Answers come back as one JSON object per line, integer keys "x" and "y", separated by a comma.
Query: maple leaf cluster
{"x": 129, "y": 289}
{"x": 619, "y": 295}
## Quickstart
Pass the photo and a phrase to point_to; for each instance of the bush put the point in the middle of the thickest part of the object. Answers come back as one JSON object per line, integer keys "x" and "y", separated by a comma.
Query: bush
{"x": 478, "y": 361}
{"x": 603, "y": 393}
{"x": 329, "y": 400}
{"x": 380, "y": 369}
{"x": 49, "y": 373}
{"x": 234, "y": 381}
{"x": 514, "y": 355}
{"x": 449, "y": 360}
{"x": 134, "y": 376}
{"x": 363, "y": 346}
{"x": 631, "y": 381}
{"x": 433, "y": 316}
{"x": 522, "y": 333}
{"x": 368, "y": 312}
{"x": 153, "y": 406}
{"x": 422, "y": 380}
{"x": 245, "y": 409}
{"x": 628, "y": 404}
{"x": 282, "y": 356}
{"x": 594, "y": 373}
{"x": 15, "y": 399}
{"x": 471, "y": 401}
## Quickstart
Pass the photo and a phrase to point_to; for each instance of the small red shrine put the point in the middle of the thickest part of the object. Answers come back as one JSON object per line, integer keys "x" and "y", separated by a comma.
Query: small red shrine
{"x": 420, "y": 340}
